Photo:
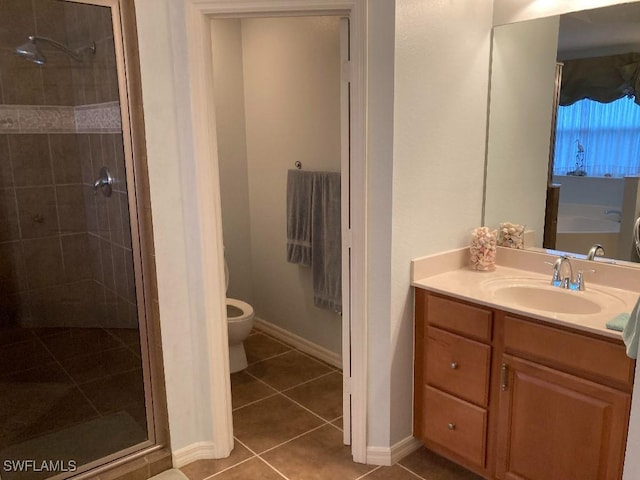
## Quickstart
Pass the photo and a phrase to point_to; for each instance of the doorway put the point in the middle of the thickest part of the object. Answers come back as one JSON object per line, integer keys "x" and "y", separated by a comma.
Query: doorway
{"x": 75, "y": 315}
{"x": 277, "y": 85}
{"x": 201, "y": 111}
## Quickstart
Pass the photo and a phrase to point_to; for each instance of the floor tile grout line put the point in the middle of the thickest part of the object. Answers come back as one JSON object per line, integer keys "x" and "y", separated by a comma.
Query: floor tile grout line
{"x": 245, "y": 445}
{"x": 253, "y": 455}
{"x": 303, "y": 407}
{"x": 336, "y": 419}
{"x": 129, "y": 347}
{"x": 339, "y": 369}
{"x": 255, "y": 401}
{"x": 273, "y": 468}
{"x": 73, "y": 380}
{"x": 378, "y": 467}
{"x": 261, "y": 381}
{"x": 411, "y": 471}
{"x": 336, "y": 427}
{"x": 291, "y": 439}
{"x": 281, "y": 390}
{"x": 269, "y": 358}
{"x": 322, "y": 362}
{"x": 114, "y": 336}
{"x": 213, "y": 475}
{"x": 284, "y": 395}
{"x": 288, "y": 388}
{"x": 307, "y": 381}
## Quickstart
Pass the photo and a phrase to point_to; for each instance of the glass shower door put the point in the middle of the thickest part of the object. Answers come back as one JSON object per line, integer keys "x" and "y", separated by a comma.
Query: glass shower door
{"x": 72, "y": 363}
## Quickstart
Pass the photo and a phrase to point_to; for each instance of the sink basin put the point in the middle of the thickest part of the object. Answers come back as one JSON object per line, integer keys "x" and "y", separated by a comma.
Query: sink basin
{"x": 551, "y": 299}
{"x": 537, "y": 294}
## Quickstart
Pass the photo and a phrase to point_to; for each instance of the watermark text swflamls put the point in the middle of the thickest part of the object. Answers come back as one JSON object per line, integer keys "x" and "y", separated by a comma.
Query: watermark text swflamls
{"x": 32, "y": 465}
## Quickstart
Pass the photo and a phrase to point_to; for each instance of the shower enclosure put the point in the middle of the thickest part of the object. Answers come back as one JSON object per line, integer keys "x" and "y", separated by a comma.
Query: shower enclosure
{"x": 75, "y": 316}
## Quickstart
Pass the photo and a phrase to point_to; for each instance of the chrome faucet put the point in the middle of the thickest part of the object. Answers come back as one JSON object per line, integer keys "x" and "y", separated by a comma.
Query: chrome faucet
{"x": 595, "y": 250}
{"x": 559, "y": 279}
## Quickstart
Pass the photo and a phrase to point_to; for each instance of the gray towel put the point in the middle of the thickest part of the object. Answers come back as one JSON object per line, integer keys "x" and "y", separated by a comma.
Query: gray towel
{"x": 299, "y": 195}
{"x": 326, "y": 244}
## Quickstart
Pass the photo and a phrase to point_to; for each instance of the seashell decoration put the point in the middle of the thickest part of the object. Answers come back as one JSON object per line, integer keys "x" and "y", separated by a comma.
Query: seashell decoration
{"x": 483, "y": 249}
{"x": 511, "y": 235}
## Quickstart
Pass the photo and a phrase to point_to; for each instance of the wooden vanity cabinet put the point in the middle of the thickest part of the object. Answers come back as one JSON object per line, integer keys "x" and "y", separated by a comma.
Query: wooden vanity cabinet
{"x": 452, "y": 378}
{"x": 525, "y": 401}
{"x": 563, "y": 406}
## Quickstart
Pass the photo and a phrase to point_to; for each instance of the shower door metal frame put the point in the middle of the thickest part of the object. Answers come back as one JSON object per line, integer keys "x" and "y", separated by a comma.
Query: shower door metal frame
{"x": 133, "y": 136}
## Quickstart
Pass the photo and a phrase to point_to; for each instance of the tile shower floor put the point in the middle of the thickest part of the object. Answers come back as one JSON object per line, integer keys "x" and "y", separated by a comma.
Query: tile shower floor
{"x": 69, "y": 393}
{"x": 287, "y": 418}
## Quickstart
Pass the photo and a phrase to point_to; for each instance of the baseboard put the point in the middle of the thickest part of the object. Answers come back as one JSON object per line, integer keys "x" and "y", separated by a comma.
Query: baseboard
{"x": 193, "y": 452}
{"x": 300, "y": 343}
{"x": 391, "y": 455}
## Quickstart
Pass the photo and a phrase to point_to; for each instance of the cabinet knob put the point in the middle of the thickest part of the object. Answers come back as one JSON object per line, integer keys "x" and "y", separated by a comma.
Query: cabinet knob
{"x": 454, "y": 365}
{"x": 451, "y": 426}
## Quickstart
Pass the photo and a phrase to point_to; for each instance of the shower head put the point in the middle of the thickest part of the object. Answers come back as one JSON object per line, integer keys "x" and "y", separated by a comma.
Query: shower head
{"x": 31, "y": 52}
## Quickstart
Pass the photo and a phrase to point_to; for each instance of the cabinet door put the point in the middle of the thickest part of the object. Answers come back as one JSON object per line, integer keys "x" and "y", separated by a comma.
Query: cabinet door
{"x": 555, "y": 426}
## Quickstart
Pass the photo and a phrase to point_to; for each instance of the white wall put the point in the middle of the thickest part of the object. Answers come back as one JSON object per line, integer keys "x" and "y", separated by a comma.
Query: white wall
{"x": 175, "y": 221}
{"x": 228, "y": 83}
{"x": 522, "y": 88}
{"x": 380, "y": 99}
{"x": 441, "y": 78}
{"x": 287, "y": 93}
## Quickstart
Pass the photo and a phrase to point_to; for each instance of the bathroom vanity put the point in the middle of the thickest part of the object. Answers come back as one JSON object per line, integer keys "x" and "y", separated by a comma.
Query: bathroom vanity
{"x": 518, "y": 390}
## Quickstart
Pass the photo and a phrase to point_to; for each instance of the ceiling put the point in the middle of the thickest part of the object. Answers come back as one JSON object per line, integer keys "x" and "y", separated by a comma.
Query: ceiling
{"x": 600, "y": 31}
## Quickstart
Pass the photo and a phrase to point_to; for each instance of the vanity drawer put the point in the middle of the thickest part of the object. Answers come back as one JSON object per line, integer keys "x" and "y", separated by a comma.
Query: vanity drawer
{"x": 582, "y": 354}
{"x": 459, "y": 317}
{"x": 458, "y": 365}
{"x": 456, "y": 425}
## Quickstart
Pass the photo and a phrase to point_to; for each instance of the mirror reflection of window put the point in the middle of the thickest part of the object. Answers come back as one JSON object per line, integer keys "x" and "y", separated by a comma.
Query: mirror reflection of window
{"x": 599, "y": 139}
{"x": 529, "y": 160}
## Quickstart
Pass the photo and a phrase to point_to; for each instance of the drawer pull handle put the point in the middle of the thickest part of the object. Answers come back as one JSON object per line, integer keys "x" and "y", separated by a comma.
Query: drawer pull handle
{"x": 451, "y": 426}
{"x": 454, "y": 365}
{"x": 504, "y": 375}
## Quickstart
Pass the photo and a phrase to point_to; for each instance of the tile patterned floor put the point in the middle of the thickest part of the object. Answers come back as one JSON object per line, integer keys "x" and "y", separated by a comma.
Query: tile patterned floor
{"x": 287, "y": 416}
{"x": 54, "y": 380}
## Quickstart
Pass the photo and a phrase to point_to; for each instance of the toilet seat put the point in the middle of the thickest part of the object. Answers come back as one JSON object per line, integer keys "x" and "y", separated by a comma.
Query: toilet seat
{"x": 247, "y": 310}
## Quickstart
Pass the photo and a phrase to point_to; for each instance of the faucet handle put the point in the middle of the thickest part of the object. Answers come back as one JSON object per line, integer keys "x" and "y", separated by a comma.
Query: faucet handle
{"x": 555, "y": 279}
{"x": 580, "y": 285}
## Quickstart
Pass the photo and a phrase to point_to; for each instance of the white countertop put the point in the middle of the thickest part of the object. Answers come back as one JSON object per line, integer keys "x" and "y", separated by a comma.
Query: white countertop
{"x": 449, "y": 274}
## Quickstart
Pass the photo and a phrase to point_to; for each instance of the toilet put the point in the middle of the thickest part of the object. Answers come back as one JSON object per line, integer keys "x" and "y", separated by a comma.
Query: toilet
{"x": 240, "y": 321}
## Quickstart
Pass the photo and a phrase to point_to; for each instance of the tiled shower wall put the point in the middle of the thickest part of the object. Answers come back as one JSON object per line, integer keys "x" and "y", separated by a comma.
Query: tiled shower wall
{"x": 65, "y": 253}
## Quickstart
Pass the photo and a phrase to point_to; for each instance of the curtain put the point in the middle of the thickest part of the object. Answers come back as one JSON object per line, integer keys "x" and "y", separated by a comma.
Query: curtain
{"x": 603, "y": 79}
{"x": 609, "y": 134}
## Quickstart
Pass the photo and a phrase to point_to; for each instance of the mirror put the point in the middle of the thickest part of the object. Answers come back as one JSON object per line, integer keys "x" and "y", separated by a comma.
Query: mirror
{"x": 522, "y": 119}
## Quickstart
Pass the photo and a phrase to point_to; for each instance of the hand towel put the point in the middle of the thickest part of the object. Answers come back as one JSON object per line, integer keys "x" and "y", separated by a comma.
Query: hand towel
{"x": 299, "y": 196}
{"x": 326, "y": 241}
{"x": 631, "y": 332}
{"x": 618, "y": 322}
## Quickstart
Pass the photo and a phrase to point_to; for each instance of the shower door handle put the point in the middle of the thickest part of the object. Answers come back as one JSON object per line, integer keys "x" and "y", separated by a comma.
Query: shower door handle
{"x": 104, "y": 182}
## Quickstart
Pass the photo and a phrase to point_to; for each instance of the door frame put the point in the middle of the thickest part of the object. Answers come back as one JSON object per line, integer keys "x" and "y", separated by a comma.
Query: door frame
{"x": 207, "y": 192}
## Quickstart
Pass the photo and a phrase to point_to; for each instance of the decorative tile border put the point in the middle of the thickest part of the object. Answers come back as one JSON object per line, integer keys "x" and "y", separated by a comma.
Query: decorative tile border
{"x": 99, "y": 118}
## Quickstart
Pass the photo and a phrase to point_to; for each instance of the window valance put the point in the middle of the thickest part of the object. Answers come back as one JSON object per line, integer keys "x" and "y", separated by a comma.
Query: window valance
{"x": 603, "y": 79}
